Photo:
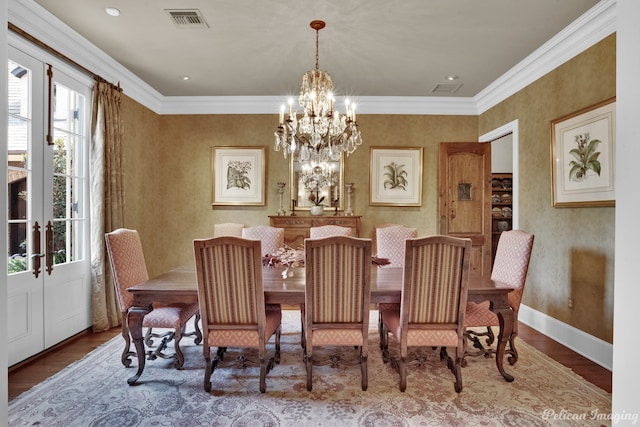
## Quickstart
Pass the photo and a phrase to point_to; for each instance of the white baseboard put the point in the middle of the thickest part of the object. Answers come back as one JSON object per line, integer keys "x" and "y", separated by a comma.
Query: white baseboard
{"x": 594, "y": 349}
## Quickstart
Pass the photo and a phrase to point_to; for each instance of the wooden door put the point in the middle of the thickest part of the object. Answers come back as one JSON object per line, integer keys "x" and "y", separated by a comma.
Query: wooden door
{"x": 465, "y": 197}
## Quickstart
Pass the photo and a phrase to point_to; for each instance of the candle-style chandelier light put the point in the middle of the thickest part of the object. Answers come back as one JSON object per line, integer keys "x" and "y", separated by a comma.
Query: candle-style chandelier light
{"x": 321, "y": 133}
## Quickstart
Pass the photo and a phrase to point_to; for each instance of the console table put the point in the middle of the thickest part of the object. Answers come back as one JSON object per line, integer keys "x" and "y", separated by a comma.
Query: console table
{"x": 296, "y": 228}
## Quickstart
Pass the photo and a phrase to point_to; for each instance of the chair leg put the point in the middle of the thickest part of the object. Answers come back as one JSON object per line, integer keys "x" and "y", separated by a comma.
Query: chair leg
{"x": 457, "y": 371}
{"x": 363, "y": 371}
{"x": 179, "y": 356}
{"x": 403, "y": 372}
{"x": 309, "y": 366}
{"x": 278, "y": 334}
{"x": 197, "y": 332}
{"x": 263, "y": 374}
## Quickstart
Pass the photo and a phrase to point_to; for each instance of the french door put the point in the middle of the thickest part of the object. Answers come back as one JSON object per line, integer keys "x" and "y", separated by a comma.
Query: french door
{"x": 48, "y": 260}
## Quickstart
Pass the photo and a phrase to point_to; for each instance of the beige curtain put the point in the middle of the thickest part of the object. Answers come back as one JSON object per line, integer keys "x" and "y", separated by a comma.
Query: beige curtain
{"x": 107, "y": 198}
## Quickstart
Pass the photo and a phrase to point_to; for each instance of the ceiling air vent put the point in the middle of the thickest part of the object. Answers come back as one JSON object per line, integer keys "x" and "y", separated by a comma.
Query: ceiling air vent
{"x": 187, "y": 18}
{"x": 444, "y": 88}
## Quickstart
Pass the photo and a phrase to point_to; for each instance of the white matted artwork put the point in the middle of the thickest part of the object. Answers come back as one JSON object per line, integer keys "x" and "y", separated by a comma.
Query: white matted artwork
{"x": 395, "y": 176}
{"x": 238, "y": 176}
{"x": 583, "y": 157}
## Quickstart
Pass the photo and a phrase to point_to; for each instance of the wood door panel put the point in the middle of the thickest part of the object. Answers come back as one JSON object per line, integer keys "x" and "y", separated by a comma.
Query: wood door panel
{"x": 465, "y": 197}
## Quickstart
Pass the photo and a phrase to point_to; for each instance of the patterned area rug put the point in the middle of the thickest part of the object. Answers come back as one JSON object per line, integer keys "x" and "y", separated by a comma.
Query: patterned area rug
{"x": 94, "y": 392}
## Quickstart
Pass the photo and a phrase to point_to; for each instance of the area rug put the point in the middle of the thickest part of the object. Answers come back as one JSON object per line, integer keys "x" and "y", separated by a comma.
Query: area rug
{"x": 94, "y": 392}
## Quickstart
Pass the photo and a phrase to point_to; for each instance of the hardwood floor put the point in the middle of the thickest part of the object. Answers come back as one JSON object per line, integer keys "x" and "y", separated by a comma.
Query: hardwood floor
{"x": 27, "y": 374}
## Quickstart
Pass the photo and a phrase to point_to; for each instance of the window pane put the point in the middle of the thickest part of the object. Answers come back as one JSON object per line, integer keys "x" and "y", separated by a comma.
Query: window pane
{"x": 17, "y": 239}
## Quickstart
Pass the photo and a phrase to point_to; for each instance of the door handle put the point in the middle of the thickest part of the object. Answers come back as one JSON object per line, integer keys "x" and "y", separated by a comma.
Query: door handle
{"x": 36, "y": 248}
{"x": 49, "y": 255}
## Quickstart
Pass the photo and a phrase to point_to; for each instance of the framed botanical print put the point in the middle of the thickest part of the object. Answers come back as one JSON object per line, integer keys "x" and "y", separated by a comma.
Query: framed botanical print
{"x": 238, "y": 176}
{"x": 583, "y": 157}
{"x": 395, "y": 176}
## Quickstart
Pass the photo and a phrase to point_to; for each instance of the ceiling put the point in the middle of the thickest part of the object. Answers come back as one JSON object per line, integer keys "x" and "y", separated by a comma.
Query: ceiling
{"x": 370, "y": 47}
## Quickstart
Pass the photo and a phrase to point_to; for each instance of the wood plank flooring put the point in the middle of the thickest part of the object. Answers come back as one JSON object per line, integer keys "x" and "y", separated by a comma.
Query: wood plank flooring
{"x": 27, "y": 374}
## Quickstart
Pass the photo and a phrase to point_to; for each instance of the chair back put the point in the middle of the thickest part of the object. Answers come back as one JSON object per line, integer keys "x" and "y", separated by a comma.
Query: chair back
{"x": 374, "y": 235}
{"x": 127, "y": 263}
{"x": 227, "y": 229}
{"x": 391, "y": 243}
{"x": 337, "y": 285}
{"x": 272, "y": 238}
{"x": 329, "y": 231}
{"x": 512, "y": 262}
{"x": 230, "y": 290}
{"x": 434, "y": 290}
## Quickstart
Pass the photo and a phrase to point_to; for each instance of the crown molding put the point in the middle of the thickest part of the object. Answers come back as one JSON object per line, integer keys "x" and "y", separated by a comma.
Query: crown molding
{"x": 271, "y": 104}
{"x": 590, "y": 28}
{"x": 598, "y": 23}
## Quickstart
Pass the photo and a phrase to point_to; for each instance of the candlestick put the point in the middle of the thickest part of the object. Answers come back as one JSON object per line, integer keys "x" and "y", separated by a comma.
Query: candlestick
{"x": 349, "y": 186}
{"x": 281, "y": 185}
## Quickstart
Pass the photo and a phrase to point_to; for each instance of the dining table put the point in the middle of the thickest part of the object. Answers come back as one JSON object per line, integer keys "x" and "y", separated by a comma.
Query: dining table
{"x": 286, "y": 286}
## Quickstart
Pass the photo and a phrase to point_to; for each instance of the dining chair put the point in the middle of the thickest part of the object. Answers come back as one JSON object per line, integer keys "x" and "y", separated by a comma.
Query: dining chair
{"x": 337, "y": 301}
{"x": 390, "y": 243}
{"x": 128, "y": 268}
{"x": 329, "y": 231}
{"x": 374, "y": 235}
{"x": 272, "y": 238}
{"x": 231, "y": 297}
{"x": 227, "y": 229}
{"x": 433, "y": 300}
{"x": 510, "y": 267}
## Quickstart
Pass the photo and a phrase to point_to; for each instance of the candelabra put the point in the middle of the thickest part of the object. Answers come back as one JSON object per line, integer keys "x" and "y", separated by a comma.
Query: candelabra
{"x": 281, "y": 185}
{"x": 349, "y": 186}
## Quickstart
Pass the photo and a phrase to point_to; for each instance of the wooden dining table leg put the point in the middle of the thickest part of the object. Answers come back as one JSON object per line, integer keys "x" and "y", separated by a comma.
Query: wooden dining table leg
{"x": 135, "y": 317}
{"x": 500, "y": 306}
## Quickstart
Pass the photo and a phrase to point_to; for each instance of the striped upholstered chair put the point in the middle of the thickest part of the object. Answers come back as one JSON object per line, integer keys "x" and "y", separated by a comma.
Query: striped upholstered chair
{"x": 337, "y": 300}
{"x": 231, "y": 297}
{"x": 272, "y": 238}
{"x": 510, "y": 267}
{"x": 434, "y": 297}
{"x": 227, "y": 229}
{"x": 128, "y": 267}
{"x": 329, "y": 231}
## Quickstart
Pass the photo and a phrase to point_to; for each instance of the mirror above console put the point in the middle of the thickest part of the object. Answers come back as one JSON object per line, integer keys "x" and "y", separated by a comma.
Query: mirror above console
{"x": 316, "y": 183}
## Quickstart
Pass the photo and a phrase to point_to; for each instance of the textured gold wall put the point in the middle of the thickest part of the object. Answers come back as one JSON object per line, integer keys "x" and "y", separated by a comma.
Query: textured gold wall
{"x": 168, "y": 183}
{"x": 574, "y": 247}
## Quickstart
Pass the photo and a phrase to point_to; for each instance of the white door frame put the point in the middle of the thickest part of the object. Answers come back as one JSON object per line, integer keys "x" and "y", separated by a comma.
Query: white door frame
{"x": 509, "y": 128}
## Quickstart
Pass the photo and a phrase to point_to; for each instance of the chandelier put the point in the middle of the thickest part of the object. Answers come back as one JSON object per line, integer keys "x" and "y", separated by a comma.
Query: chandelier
{"x": 321, "y": 133}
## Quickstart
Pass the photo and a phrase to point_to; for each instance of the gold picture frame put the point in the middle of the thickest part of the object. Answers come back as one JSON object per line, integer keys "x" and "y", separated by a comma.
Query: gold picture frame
{"x": 238, "y": 176}
{"x": 395, "y": 176}
{"x": 583, "y": 157}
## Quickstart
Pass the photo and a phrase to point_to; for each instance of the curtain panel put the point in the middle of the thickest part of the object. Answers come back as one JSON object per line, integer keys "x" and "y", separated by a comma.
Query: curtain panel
{"x": 107, "y": 198}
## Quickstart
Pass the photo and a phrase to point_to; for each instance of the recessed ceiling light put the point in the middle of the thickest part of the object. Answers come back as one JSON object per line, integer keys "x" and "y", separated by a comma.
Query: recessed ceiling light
{"x": 185, "y": 78}
{"x": 112, "y": 11}
{"x": 451, "y": 77}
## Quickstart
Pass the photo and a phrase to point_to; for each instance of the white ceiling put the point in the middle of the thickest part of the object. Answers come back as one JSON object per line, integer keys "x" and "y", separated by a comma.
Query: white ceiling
{"x": 370, "y": 47}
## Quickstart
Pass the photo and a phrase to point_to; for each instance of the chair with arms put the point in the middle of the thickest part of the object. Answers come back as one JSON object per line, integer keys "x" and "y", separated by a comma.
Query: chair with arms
{"x": 329, "y": 231}
{"x": 272, "y": 238}
{"x": 231, "y": 297}
{"x": 434, "y": 297}
{"x": 510, "y": 267}
{"x": 129, "y": 268}
{"x": 337, "y": 300}
{"x": 227, "y": 229}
